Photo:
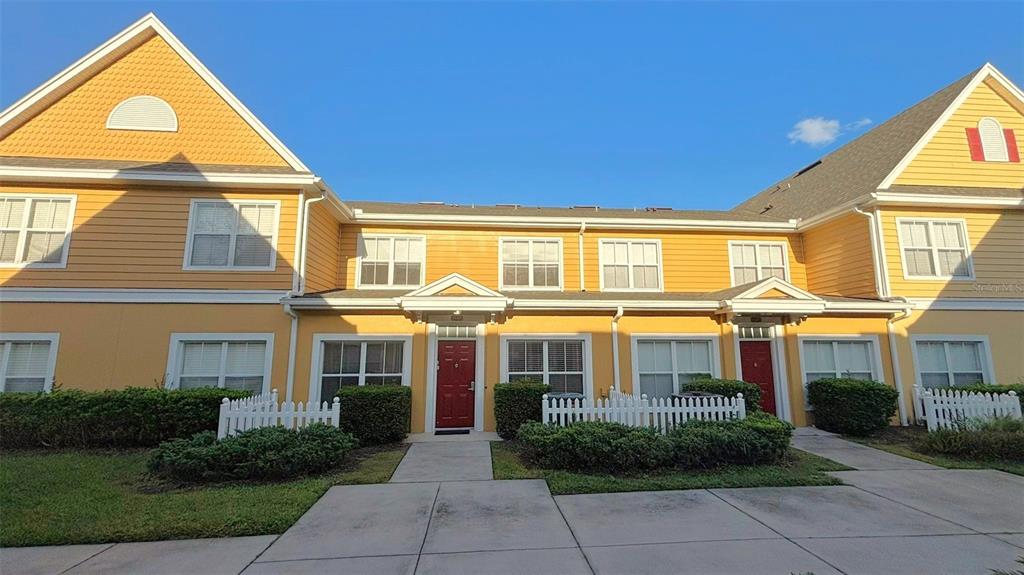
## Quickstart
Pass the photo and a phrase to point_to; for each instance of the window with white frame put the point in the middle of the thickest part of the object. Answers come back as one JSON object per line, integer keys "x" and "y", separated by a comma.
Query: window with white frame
{"x": 993, "y": 140}
{"x": 845, "y": 358}
{"x": 34, "y": 231}
{"x": 360, "y": 362}
{"x": 664, "y": 365}
{"x": 753, "y": 261}
{"x": 531, "y": 263}
{"x": 391, "y": 261}
{"x": 231, "y": 235}
{"x": 948, "y": 363}
{"x": 934, "y": 249}
{"x": 27, "y": 362}
{"x": 556, "y": 362}
{"x": 241, "y": 362}
{"x": 631, "y": 265}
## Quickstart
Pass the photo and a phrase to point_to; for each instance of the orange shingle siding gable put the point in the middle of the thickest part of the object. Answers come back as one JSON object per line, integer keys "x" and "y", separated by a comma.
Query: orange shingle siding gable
{"x": 209, "y": 131}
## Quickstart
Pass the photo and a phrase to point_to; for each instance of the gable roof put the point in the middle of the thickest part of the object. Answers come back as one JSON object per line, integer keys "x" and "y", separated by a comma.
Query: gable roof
{"x": 125, "y": 41}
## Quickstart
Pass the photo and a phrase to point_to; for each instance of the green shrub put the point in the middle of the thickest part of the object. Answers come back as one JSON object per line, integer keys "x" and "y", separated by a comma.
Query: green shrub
{"x": 515, "y": 404}
{"x": 996, "y": 439}
{"x": 852, "y": 406}
{"x": 613, "y": 447}
{"x": 132, "y": 417}
{"x": 729, "y": 388}
{"x": 268, "y": 453}
{"x": 376, "y": 414}
{"x": 1018, "y": 388}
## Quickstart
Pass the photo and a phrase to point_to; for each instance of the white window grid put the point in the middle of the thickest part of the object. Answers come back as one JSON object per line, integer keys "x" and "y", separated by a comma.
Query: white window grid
{"x": 234, "y": 234}
{"x": 176, "y": 357}
{"x": 391, "y": 259}
{"x": 7, "y": 343}
{"x": 676, "y": 371}
{"x": 317, "y": 363}
{"x": 934, "y": 250}
{"x": 361, "y": 373}
{"x": 24, "y": 229}
{"x": 761, "y": 266}
{"x": 838, "y": 370}
{"x": 546, "y": 369}
{"x": 610, "y": 257}
{"x": 980, "y": 343}
{"x": 531, "y": 263}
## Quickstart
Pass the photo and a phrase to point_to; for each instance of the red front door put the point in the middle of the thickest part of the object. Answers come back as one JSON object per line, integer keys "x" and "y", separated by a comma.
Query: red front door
{"x": 456, "y": 373}
{"x": 756, "y": 361}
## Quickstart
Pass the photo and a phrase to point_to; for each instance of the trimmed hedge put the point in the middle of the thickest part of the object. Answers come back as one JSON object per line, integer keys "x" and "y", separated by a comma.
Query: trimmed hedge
{"x": 132, "y": 417}
{"x": 852, "y": 406}
{"x": 267, "y": 453}
{"x": 729, "y": 388}
{"x": 515, "y": 404}
{"x": 616, "y": 448}
{"x": 376, "y": 414}
{"x": 997, "y": 439}
{"x": 994, "y": 388}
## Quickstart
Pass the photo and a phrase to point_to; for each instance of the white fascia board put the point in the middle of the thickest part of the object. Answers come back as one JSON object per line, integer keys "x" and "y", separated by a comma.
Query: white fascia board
{"x": 941, "y": 200}
{"x": 254, "y": 180}
{"x": 968, "y": 304}
{"x": 86, "y": 295}
{"x": 343, "y": 303}
{"x": 450, "y": 303}
{"x": 568, "y": 222}
{"x": 773, "y": 306}
{"x": 560, "y": 304}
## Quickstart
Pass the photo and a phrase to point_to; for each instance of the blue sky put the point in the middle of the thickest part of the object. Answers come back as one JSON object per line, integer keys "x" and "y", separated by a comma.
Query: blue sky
{"x": 691, "y": 105}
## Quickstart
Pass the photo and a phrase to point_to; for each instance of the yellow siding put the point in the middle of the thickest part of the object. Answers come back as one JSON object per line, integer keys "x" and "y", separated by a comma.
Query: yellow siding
{"x": 322, "y": 249}
{"x": 996, "y": 240}
{"x": 839, "y": 260}
{"x": 209, "y": 131}
{"x": 946, "y": 159}
{"x": 135, "y": 238}
{"x": 111, "y": 346}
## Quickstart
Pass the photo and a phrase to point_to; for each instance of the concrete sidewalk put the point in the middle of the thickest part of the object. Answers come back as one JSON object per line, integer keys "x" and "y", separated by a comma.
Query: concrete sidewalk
{"x": 855, "y": 455}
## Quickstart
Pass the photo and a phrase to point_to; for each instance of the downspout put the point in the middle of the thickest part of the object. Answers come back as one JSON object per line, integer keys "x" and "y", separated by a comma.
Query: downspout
{"x": 894, "y": 359}
{"x": 298, "y": 288}
{"x": 305, "y": 229}
{"x": 583, "y": 284}
{"x": 615, "y": 348}
{"x": 291, "y": 351}
{"x": 875, "y": 255}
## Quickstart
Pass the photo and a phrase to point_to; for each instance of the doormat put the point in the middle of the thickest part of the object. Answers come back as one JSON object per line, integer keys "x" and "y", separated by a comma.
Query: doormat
{"x": 452, "y": 432}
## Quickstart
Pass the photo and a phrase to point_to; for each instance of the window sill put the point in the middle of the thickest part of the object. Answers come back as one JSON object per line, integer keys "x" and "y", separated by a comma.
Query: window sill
{"x": 228, "y": 269}
{"x": 34, "y": 266}
{"x": 938, "y": 278}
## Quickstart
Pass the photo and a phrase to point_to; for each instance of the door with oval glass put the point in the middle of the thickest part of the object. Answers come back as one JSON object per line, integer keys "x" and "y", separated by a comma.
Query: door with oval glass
{"x": 456, "y": 378}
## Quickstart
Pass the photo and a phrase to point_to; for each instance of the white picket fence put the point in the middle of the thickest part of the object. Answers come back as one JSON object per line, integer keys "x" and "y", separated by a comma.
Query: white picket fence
{"x": 947, "y": 408}
{"x": 661, "y": 413}
{"x": 238, "y": 415}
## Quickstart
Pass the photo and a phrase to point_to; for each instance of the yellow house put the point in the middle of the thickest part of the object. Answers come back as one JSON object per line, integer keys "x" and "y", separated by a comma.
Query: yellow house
{"x": 154, "y": 232}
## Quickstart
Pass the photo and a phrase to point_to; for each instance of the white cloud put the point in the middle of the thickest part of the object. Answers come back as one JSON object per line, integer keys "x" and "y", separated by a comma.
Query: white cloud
{"x": 820, "y": 131}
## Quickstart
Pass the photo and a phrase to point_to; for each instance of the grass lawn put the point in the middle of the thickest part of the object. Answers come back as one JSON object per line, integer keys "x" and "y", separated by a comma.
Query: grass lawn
{"x": 104, "y": 496}
{"x": 903, "y": 440}
{"x": 800, "y": 468}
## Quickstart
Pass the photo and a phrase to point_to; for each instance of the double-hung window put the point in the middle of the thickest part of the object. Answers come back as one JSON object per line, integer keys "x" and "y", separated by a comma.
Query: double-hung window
{"x": 344, "y": 361}
{"x": 950, "y": 361}
{"x": 391, "y": 261}
{"x": 227, "y": 361}
{"x": 531, "y": 263}
{"x": 232, "y": 235}
{"x": 631, "y": 265}
{"x": 754, "y": 261}
{"x": 35, "y": 230}
{"x": 853, "y": 358}
{"x": 27, "y": 361}
{"x": 934, "y": 249}
{"x": 663, "y": 365}
{"x": 559, "y": 363}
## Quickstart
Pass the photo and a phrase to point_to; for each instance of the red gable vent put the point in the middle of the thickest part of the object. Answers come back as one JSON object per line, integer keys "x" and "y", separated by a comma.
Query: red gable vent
{"x": 1011, "y": 145}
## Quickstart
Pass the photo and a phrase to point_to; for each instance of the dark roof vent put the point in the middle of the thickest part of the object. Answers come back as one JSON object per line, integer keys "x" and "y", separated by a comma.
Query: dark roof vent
{"x": 595, "y": 208}
{"x": 513, "y": 206}
{"x": 807, "y": 169}
{"x": 766, "y": 208}
{"x": 657, "y": 209}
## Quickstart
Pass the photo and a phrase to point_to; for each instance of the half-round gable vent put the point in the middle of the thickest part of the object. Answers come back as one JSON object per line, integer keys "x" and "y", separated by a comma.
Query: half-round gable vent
{"x": 143, "y": 113}
{"x": 993, "y": 141}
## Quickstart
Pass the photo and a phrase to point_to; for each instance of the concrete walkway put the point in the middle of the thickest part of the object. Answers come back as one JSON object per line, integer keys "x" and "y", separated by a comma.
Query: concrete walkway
{"x": 445, "y": 461}
{"x": 855, "y": 455}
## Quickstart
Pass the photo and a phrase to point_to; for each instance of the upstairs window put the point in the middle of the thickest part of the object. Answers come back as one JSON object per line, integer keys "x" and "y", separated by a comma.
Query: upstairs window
{"x": 390, "y": 261}
{"x": 531, "y": 263}
{"x": 989, "y": 142}
{"x": 754, "y": 261}
{"x": 35, "y": 230}
{"x": 934, "y": 249}
{"x": 631, "y": 265}
{"x": 231, "y": 235}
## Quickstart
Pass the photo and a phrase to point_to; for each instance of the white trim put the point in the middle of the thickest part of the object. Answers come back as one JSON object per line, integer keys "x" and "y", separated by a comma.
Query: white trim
{"x": 941, "y": 200}
{"x": 714, "y": 351}
{"x": 430, "y": 409}
{"x": 601, "y": 242}
{"x": 24, "y": 229}
{"x": 767, "y": 284}
{"x": 112, "y": 124}
{"x": 134, "y": 175}
{"x": 361, "y": 237}
{"x": 882, "y": 259}
{"x": 987, "y": 366}
{"x": 781, "y": 377}
{"x": 986, "y": 71}
{"x": 479, "y": 385}
{"x": 112, "y": 49}
{"x": 877, "y": 368}
{"x": 52, "y": 338}
{"x": 934, "y": 249}
{"x": 588, "y": 355}
{"x": 1005, "y": 152}
{"x": 90, "y": 295}
{"x": 316, "y": 359}
{"x": 531, "y": 287}
{"x": 236, "y": 204}
{"x": 174, "y": 353}
{"x": 757, "y": 257}
{"x": 454, "y": 279}
{"x": 968, "y": 304}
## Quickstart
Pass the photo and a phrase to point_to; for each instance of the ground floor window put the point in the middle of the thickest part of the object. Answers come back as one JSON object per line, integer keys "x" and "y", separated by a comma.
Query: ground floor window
{"x": 853, "y": 358}
{"x": 27, "y": 361}
{"x": 556, "y": 362}
{"x": 362, "y": 361}
{"x": 227, "y": 361}
{"x": 663, "y": 365}
{"x": 952, "y": 361}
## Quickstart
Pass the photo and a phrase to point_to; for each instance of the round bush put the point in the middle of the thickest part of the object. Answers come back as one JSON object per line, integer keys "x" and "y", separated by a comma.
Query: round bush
{"x": 268, "y": 453}
{"x": 729, "y": 388}
{"x": 760, "y": 438}
{"x": 376, "y": 414}
{"x": 595, "y": 446}
{"x": 515, "y": 404}
{"x": 852, "y": 406}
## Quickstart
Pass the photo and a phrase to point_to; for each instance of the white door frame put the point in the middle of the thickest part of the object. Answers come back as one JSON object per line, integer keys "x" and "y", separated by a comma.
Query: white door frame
{"x": 430, "y": 409}
{"x": 777, "y": 341}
